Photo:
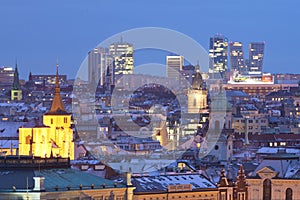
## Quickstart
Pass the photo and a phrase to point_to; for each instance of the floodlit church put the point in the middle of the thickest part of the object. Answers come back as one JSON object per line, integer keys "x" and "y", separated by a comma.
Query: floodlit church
{"x": 197, "y": 95}
{"x": 55, "y": 137}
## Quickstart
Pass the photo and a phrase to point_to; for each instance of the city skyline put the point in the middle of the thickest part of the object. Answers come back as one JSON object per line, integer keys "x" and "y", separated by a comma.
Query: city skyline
{"x": 37, "y": 33}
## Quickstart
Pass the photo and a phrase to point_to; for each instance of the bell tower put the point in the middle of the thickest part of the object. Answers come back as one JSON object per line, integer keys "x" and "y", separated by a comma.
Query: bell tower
{"x": 197, "y": 94}
{"x": 55, "y": 136}
{"x": 16, "y": 92}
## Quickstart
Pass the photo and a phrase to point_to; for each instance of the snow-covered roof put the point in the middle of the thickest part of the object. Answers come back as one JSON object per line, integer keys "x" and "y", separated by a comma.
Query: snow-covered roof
{"x": 10, "y": 129}
{"x": 162, "y": 181}
{"x": 271, "y": 150}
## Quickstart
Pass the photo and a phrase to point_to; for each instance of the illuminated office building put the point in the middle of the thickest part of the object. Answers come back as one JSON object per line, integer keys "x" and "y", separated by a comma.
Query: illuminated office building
{"x": 49, "y": 79}
{"x": 237, "y": 61}
{"x": 122, "y": 54}
{"x": 174, "y": 66}
{"x": 218, "y": 54}
{"x": 256, "y": 55}
{"x": 98, "y": 60}
{"x": 6, "y": 75}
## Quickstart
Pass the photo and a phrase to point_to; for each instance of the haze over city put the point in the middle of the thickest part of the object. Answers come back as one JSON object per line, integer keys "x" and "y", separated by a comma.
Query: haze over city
{"x": 149, "y": 100}
{"x": 36, "y": 33}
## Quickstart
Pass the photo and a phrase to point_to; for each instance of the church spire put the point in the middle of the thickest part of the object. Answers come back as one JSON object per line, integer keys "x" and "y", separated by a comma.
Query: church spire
{"x": 223, "y": 182}
{"x": 16, "y": 83}
{"x": 57, "y": 106}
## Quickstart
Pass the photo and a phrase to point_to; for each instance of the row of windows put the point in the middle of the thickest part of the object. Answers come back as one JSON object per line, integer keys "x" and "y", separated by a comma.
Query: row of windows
{"x": 252, "y": 121}
{"x": 108, "y": 198}
{"x": 275, "y": 144}
{"x": 181, "y": 197}
{"x": 65, "y": 120}
{"x": 267, "y": 191}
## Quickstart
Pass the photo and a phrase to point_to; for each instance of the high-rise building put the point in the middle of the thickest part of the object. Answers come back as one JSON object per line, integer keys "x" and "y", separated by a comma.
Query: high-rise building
{"x": 6, "y": 75}
{"x": 218, "y": 54}
{"x": 256, "y": 55}
{"x": 122, "y": 53}
{"x": 174, "y": 66}
{"x": 237, "y": 61}
{"x": 98, "y": 60}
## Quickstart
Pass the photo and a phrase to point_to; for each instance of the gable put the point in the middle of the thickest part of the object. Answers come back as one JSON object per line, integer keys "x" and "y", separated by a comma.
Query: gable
{"x": 266, "y": 172}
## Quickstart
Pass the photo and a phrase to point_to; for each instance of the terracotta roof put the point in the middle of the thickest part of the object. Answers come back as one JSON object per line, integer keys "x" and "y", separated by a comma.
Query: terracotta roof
{"x": 57, "y": 106}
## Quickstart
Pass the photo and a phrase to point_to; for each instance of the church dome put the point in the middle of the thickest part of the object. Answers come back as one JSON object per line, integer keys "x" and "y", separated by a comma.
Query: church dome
{"x": 197, "y": 81}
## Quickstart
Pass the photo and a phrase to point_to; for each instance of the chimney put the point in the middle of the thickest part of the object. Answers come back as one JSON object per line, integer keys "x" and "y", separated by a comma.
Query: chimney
{"x": 38, "y": 183}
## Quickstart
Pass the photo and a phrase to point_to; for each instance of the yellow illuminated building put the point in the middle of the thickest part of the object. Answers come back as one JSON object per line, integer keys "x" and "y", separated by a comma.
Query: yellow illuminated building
{"x": 197, "y": 95}
{"x": 54, "y": 137}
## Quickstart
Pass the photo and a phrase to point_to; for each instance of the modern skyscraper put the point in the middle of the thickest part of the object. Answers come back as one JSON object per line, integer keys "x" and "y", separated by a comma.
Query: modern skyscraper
{"x": 174, "y": 66}
{"x": 218, "y": 54}
{"x": 237, "y": 61}
{"x": 256, "y": 55}
{"x": 122, "y": 53}
{"x": 6, "y": 75}
{"x": 98, "y": 60}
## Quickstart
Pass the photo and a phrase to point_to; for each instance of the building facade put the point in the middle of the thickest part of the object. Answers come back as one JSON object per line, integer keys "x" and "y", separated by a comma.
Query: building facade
{"x": 52, "y": 138}
{"x": 276, "y": 177}
{"x": 218, "y": 54}
{"x": 237, "y": 61}
{"x": 98, "y": 60}
{"x": 174, "y": 66}
{"x": 123, "y": 59}
{"x": 256, "y": 56}
{"x": 197, "y": 94}
{"x": 43, "y": 79}
{"x": 6, "y": 75}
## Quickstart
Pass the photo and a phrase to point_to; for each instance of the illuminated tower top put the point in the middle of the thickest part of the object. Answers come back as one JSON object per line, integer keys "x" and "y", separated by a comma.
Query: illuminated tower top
{"x": 57, "y": 106}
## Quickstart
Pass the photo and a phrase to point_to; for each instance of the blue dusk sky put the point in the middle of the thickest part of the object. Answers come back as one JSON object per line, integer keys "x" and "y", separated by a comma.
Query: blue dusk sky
{"x": 37, "y": 32}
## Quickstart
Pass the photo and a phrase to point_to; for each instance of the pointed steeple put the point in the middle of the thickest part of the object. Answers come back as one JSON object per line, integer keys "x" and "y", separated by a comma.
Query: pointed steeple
{"x": 241, "y": 182}
{"x": 241, "y": 186}
{"x": 223, "y": 182}
{"x": 57, "y": 106}
{"x": 16, "y": 83}
{"x": 30, "y": 76}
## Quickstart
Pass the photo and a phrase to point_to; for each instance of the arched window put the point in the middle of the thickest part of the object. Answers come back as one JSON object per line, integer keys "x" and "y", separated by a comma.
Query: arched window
{"x": 28, "y": 139}
{"x": 289, "y": 194}
{"x": 267, "y": 189}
